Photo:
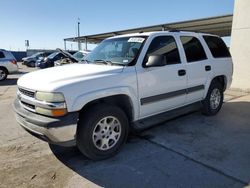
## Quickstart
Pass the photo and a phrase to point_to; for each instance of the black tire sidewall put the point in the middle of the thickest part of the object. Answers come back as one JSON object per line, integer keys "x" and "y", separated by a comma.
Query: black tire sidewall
{"x": 32, "y": 64}
{"x": 86, "y": 127}
{"x": 6, "y": 73}
{"x": 206, "y": 103}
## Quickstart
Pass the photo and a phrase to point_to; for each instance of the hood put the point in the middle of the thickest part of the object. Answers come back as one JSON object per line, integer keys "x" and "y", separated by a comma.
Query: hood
{"x": 53, "y": 78}
{"x": 25, "y": 58}
{"x": 29, "y": 58}
{"x": 68, "y": 55}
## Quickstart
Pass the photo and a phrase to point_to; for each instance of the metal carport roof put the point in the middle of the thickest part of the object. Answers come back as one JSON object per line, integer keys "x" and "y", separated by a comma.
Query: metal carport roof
{"x": 219, "y": 25}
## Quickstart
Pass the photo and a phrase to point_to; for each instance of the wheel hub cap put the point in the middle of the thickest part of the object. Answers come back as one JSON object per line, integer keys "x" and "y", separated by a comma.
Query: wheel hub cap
{"x": 215, "y": 99}
{"x": 106, "y": 133}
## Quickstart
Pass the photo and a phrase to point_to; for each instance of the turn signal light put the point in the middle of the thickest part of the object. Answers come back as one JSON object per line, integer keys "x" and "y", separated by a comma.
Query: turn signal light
{"x": 58, "y": 112}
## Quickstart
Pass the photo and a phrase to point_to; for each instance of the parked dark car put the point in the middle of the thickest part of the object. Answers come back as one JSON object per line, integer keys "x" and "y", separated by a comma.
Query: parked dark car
{"x": 49, "y": 61}
{"x": 31, "y": 60}
{"x": 75, "y": 58}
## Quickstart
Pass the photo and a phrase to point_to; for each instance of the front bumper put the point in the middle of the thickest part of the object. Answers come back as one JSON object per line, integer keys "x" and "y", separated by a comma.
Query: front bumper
{"x": 59, "y": 131}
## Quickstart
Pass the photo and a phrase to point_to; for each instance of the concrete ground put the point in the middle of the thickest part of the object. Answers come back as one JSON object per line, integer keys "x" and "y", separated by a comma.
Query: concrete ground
{"x": 190, "y": 151}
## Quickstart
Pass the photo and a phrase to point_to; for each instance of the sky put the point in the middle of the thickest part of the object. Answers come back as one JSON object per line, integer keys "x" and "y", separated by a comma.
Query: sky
{"x": 45, "y": 23}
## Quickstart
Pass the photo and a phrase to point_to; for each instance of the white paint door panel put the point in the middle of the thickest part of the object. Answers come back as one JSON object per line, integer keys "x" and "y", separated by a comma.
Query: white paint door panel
{"x": 160, "y": 89}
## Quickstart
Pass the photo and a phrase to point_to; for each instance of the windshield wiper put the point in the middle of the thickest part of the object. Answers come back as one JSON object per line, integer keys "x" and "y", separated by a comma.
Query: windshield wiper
{"x": 106, "y": 62}
{"x": 103, "y": 61}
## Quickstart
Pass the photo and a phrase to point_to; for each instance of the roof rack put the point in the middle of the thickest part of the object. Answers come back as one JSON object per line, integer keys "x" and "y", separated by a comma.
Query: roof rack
{"x": 177, "y": 30}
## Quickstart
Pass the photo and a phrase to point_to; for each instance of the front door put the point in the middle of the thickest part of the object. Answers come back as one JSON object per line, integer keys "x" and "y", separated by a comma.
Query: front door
{"x": 162, "y": 88}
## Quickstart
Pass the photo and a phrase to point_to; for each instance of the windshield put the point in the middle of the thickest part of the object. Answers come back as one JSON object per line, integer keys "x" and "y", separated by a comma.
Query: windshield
{"x": 36, "y": 54}
{"x": 121, "y": 51}
{"x": 51, "y": 56}
{"x": 79, "y": 56}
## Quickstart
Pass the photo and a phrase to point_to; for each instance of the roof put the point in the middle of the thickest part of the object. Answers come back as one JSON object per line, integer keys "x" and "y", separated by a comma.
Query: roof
{"x": 219, "y": 25}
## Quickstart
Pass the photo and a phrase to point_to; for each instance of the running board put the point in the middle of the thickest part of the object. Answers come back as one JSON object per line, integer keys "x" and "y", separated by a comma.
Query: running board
{"x": 165, "y": 116}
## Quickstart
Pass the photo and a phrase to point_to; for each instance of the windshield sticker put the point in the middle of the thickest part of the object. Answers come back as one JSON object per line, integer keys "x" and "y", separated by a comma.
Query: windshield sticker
{"x": 136, "y": 39}
{"x": 125, "y": 61}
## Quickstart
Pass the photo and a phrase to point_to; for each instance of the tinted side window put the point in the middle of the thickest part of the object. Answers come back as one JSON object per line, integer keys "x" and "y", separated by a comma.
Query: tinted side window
{"x": 2, "y": 55}
{"x": 217, "y": 47}
{"x": 193, "y": 49}
{"x": 165, "y": 45}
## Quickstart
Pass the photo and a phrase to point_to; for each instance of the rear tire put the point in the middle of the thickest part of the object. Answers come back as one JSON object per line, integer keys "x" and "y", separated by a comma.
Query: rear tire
{"x": 3, "y": 73}
{"x": 101, "y": 131}
{"x": 211, "y": 105}
{"x": 32, "y": 64}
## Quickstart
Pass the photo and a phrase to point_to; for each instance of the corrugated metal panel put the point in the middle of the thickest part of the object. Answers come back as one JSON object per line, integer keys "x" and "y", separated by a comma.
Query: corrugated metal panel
{"x": 219, "y": 25}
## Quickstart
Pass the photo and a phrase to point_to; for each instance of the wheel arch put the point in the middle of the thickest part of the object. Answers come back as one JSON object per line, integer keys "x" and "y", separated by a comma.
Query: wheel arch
{"x": 4, "y": 69}
{"x": 123, "y": 101}
{"x": 222, "y": 79}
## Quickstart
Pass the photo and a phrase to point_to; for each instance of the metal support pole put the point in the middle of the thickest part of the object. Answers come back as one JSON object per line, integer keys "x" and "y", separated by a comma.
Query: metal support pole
{"x": 86, "y": 43}
{"x": 65, "y": 48}
{"x": 78, "y": 34}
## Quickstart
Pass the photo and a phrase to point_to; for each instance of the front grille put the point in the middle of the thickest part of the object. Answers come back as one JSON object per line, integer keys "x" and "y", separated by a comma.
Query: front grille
{"x": 27, "y": 92}
{"x": 28, "y": 105}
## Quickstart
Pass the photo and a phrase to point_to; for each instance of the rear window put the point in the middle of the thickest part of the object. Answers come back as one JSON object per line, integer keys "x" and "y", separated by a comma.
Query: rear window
{"x": 193, "y": 49}
{"x": 2, "y": 55}
{"x": 217, "y": 47}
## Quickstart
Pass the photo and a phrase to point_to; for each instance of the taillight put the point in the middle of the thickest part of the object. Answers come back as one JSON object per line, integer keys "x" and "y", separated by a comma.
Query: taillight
{"x": 14, "y": 62}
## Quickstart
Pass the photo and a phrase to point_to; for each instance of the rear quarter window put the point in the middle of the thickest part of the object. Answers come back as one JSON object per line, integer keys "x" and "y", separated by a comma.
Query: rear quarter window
{"x": 217, "y": 47}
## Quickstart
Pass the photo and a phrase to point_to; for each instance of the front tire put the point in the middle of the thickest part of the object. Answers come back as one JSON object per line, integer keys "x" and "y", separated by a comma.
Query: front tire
{"x": 101, "y": 132}
{"x": 212, "y": 104}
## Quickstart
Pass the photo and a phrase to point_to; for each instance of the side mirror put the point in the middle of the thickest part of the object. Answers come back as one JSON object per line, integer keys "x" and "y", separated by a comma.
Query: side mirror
{"x": 156, "y": 61}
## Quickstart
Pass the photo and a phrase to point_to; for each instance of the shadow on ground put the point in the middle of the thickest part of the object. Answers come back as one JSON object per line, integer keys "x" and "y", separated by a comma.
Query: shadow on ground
{"x": 9, "y": 82}
{"x": 192, "y": 151}
{"x": 12, "y": 79}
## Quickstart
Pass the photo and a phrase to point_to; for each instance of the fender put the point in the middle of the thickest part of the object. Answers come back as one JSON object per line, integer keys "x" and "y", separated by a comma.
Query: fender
{"x": 85, "y": 98}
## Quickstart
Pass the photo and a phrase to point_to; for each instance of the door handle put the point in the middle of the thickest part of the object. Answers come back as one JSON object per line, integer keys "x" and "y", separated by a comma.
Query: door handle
{"x": 182, "y": 72}
{"x": 208, "y": 68}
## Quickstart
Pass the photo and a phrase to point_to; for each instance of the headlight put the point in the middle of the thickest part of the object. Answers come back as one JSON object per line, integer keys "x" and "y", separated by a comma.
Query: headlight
{"x": 52, "y": 104}
{"x": 50, "y": 97}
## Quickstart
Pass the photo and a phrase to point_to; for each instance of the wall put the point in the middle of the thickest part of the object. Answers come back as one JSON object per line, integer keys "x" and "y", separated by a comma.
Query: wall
{"x": 240, "y": 45}
{"x": 33, "y": 51}
{"x": 19, "y": 55}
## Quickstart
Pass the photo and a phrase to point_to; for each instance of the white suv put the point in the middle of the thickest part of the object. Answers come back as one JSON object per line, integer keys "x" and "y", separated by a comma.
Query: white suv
{"x": 128, "y": 82}
{"x": 8, "y": 64}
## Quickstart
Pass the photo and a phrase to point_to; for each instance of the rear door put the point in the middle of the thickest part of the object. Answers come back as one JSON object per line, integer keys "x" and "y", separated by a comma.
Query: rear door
{"x": 222, "y": 62}
{"x": 198, "y": 67}
{"x": 162, "y": 88}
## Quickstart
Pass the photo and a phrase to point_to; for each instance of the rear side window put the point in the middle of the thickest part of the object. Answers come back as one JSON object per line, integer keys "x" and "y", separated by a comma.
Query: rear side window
{"x": 217, "y": 47}
{"x": 2, "y": 55}
{"x": 193, "y": 49}
{"x": 165, "y": 45}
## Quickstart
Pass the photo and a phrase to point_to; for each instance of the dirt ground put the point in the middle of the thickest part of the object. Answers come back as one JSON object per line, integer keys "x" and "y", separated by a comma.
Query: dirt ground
{"x": 26, "y": 161}
{"x": 192, "y": 151}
